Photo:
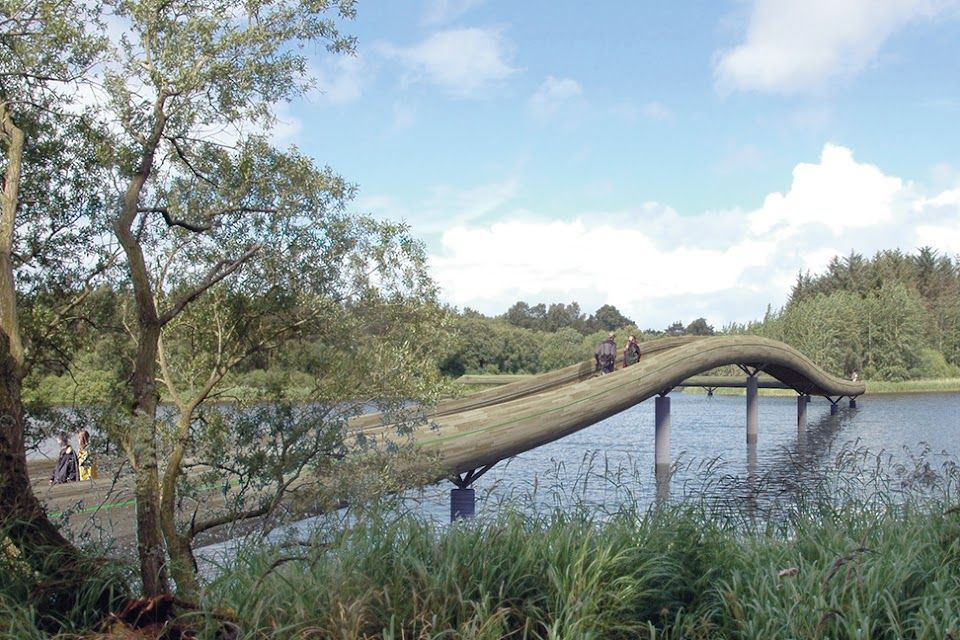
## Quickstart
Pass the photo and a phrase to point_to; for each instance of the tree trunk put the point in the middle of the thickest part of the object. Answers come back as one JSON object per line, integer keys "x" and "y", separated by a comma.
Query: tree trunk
{"x": 141, "y": 446}
{"x": 22, "y": 517}
{"x": 183, "y": 566}
{"x": 60, "y": 568}
{"x": 140, "y": 441}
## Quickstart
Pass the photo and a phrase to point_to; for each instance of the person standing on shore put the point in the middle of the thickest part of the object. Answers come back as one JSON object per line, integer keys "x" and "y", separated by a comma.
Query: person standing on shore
{"x": 66, "y": 469}
{"x": 88, "y": 468}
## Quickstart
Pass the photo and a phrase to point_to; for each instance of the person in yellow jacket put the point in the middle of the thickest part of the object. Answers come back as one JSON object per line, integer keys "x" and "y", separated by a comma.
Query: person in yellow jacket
{"x": 88, "y": 468}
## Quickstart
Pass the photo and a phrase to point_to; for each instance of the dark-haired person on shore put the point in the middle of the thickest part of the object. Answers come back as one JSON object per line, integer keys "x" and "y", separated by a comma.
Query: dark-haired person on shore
{"x": 606, "y": 354}
{"x": 67, "y": 465}
{"x": 631, "y": 354}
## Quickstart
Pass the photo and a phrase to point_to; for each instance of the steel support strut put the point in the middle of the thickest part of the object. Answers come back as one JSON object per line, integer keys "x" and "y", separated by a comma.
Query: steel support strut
{"x": 463, "y": 498}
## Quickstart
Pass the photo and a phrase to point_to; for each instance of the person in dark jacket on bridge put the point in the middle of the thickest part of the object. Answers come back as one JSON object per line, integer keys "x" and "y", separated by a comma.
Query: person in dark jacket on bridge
{"x": 606, "y": 354}
{"x": 67, "y": 465}
{"x": 631, "y": 354}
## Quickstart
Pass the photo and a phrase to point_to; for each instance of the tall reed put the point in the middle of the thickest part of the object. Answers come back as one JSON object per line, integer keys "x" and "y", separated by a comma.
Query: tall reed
{"x": 869, "y": 549}
{"x": 868, "y": 552}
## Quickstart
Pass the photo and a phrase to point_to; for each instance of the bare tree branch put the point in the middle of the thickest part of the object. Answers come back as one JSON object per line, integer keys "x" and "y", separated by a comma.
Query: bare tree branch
{"x": 200, "y": 228}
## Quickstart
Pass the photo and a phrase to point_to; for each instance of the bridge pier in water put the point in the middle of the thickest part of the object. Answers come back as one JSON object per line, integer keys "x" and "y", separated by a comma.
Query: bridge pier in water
{"x": 802, "y": 401}
{"x": 752, "y": 421}
{"x": 463, "y": 503}
{"x": 661, "y": 453}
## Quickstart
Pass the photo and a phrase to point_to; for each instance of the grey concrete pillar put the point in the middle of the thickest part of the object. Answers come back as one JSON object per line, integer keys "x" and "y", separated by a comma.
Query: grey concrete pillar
{"x": 663, "y": 487}
{"x": 752, "y": 463}
{"x": 661, "y": 453}
{"x": 834, "y": 408}
{"x": 853, "y": 403}
{"x": 801, "y": 411}
{"x": 751, "y": 409}
{"x": 462, "y": 504}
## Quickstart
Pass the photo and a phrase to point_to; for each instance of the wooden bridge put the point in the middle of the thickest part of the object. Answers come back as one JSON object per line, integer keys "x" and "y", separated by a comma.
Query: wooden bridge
{"x": 471, "y": 434}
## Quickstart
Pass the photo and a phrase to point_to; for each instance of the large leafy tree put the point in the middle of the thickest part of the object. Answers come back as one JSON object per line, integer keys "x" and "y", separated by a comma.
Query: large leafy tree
{"x": 608, "y": 318}
{"x": 353, "y": 288}
{"x": 233, "y": 245}
{"x": 49, "y": 210}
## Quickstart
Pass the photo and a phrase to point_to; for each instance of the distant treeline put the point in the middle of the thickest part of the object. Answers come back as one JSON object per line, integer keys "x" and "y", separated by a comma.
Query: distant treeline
{"x": 539, "y": 338}
{"x": 892, "y": 317}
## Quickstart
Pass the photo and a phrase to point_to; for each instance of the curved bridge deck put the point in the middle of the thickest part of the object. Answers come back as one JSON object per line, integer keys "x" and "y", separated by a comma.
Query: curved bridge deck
{"x": 484, "y": 428}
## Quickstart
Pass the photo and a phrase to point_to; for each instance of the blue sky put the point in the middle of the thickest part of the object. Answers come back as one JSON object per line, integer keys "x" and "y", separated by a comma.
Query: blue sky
{"x": 676, "y": 160}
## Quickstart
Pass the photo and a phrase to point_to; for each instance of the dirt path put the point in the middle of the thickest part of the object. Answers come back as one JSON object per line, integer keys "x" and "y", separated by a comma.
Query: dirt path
{"x": 98, "y": 511}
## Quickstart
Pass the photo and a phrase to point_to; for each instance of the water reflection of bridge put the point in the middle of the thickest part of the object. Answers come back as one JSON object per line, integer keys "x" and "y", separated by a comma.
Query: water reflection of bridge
{"x": 469, "y": 435}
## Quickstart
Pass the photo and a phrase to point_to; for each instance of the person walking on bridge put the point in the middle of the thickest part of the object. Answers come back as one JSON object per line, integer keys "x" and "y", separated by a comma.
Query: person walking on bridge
{"x": 606, "y": 354}
{"x": 631, "y": 354}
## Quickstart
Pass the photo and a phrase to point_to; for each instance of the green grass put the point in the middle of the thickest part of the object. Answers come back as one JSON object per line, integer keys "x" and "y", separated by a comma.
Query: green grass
{"x": 867, "y": 551}
{"x": 936, "y": 385}
{"x": 865, "y": 555}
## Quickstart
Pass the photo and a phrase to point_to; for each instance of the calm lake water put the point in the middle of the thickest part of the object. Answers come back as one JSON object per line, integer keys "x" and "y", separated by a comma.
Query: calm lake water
{"x": 613, "y": 461}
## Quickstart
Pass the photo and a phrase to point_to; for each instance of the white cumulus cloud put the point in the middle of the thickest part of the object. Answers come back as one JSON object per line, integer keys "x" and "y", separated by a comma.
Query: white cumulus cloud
{"x": 795, "y": 45}
{"x": 461, "y": 61}
{"x": 552, "y": 94}
{"x": 657, "y": 266}
{"x": 838, "y": 193}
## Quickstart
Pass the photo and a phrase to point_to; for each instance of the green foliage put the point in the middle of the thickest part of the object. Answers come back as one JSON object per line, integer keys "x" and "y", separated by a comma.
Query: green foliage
{"x": 933, "y": 364}
{"x": 869, "y": 552}
{"x": 563, "y": 348}
{"x": 560, "y": 316}
{"x": 699, "y": 327}
{"x": 32, "y": 606}
{"x": 892, "y": 318}
{"x": 609, "y": 318}
{"x": 489, "y": 346}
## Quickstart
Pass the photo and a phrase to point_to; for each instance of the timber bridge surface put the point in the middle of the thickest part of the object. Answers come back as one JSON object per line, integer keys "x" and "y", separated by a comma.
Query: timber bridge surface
{"x": 470, "y": 434}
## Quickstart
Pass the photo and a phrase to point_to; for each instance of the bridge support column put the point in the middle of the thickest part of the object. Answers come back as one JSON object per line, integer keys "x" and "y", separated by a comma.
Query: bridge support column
{"x": 853, "y": 403}
{"x": 751, "y": 409}
{"x": 802, "y": 411}
{"x": 463, "y": 498}
{"x": 834, "y": 407}
{"x": 662, "y": 435}
{"x": 462, "y": 504}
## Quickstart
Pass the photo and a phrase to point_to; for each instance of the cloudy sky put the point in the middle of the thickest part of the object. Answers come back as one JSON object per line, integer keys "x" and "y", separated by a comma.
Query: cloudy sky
{"x": 674, "y": 159}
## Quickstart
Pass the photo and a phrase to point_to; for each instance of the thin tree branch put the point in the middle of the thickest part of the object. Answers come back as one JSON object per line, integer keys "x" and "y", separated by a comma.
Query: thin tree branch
{"x": 183, "y": 157}
{"x": 217, "y": 273}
